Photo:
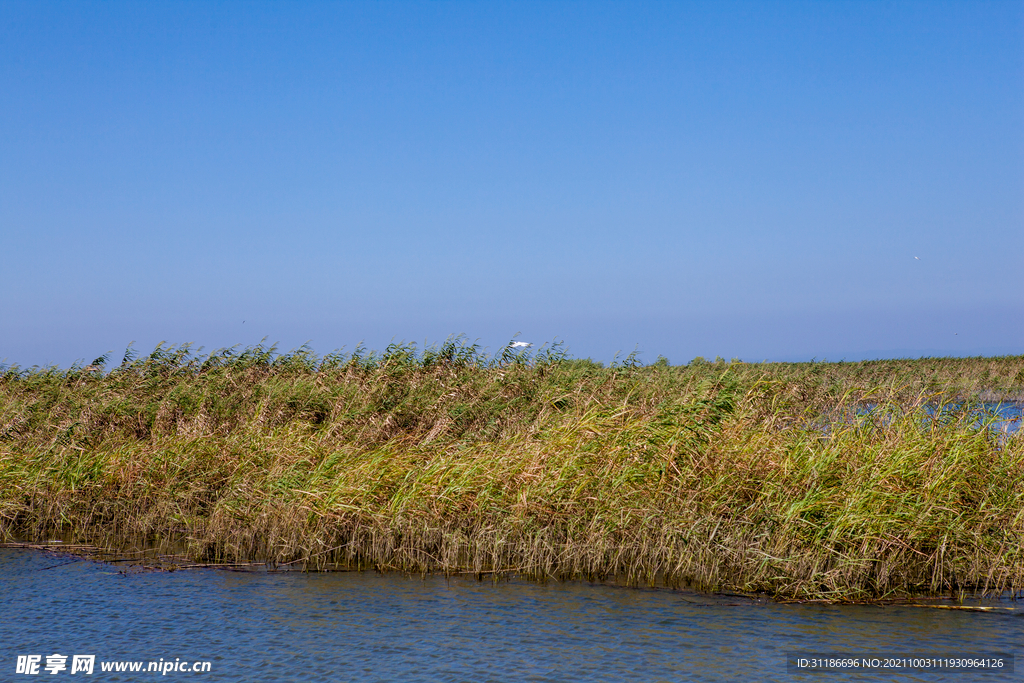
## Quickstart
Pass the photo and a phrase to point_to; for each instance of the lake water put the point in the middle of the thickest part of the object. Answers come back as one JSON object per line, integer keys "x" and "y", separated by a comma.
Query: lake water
{"x": 364, "y": 626}
{"x": 1004, "y": 418}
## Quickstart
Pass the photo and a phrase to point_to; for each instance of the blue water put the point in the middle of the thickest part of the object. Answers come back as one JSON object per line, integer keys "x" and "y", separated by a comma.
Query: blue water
{"x": 1003, "y": 419}
{"x": 1010, "y": 416}
{"x": 352, "y": 626}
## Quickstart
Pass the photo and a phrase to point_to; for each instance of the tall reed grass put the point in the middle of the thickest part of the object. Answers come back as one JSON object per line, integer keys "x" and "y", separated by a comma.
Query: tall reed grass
{"x": 750, "y": 477}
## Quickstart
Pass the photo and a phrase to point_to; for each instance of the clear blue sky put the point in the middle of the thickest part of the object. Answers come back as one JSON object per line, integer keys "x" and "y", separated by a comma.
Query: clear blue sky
{"x": 748, "y": 180}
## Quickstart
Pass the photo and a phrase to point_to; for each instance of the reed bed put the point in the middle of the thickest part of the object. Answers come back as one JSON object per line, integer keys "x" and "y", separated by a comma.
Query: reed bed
{"x": 760, "y": 477}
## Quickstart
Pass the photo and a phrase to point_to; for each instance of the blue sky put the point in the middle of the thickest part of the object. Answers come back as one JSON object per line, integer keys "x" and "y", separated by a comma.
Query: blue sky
{"x": 748, "y": 180}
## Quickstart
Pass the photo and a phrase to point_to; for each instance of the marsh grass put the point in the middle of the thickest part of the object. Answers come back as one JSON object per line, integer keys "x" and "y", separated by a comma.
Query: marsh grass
{"x": 714, "y": 475}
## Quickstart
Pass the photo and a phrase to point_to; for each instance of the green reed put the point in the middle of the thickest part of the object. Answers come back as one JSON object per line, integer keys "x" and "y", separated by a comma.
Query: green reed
{"x": 752, "y": 477}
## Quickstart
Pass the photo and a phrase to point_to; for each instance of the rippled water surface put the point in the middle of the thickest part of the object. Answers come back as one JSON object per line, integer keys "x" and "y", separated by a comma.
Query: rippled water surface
{"x": 291, "y": 626}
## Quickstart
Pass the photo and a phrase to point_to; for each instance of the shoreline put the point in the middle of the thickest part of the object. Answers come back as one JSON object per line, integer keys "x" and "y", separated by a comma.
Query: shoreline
{"x": 163, "y": 563}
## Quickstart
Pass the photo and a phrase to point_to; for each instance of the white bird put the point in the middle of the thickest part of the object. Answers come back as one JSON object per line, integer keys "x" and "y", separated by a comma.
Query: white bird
{"x": 917, "y": 258}
{"x": 520, "y": 345}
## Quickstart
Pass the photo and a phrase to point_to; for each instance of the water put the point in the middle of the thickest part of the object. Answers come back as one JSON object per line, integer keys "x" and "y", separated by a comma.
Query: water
{"x": 1004, "y": 418}
{"x": 1010, "y": 415}
{"x": 352, "y": 626}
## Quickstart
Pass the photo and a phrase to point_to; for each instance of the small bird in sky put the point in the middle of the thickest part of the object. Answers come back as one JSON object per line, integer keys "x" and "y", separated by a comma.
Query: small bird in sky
{"x": 917, "y": 258}
{"x": 520, "y": 345}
